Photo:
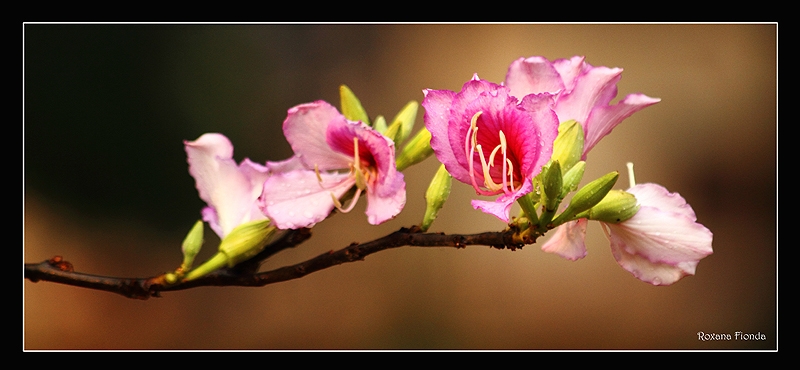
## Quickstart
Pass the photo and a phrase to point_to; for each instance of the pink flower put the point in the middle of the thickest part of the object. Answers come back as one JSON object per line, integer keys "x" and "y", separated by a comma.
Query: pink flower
{"x": 230, "y": 190}
{"x": 331, "y": 155}
{"x": 491, "y": 140}
{"x": 660, "y": 244}
{"x": 582, "y": 92}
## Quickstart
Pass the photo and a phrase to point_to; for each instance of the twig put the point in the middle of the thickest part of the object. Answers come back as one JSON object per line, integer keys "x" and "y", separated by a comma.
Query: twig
{"x": 59, "y": 271}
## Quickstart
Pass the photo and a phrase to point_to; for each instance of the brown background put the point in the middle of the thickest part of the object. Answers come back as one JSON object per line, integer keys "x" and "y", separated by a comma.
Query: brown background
{"x": 106, "y": 186}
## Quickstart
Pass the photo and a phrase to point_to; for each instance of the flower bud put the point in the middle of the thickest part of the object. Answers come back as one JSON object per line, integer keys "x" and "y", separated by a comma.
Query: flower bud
{"x": 572, "y": 178}
{"x": 405, "y": 118}
{"x": 416, "y": 150}
{"x": 380, "y": 125}
{"x": 437, "y": 194}
{"x": 568, "y": 146}
{"x": 552, "y": 184}
{"x": 588, "y": 196}
{"x": 191, "y": 245}
{"x": 246, "y": 240}
{"x": 393, "y": 132}
{"x": 616, "y": 207}
{"x": 351, "y": 106}
{"x": 243, "y": 242}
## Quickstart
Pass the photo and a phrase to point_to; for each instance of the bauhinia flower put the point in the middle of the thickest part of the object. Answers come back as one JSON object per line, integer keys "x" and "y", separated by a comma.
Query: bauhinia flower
{"x": 230, "y": 190}
{"x": 332, "y": 154}
{"x": 661, "y": 243}
{"x": 232, "y": 193}
{"x": 582, "y": 93}
{"x": 489, "y": 139}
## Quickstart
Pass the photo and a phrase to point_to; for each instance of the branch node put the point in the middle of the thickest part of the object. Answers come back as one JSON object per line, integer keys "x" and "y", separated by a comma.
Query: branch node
{"x": 59, "y": 263}
{"x": 459, "y": 242}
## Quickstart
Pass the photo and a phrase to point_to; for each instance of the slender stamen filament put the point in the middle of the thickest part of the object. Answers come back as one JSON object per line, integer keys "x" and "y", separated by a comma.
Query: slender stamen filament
{"x": 504, "y": 146}
{"x": 316, "y": 171}
{"x": 470, "y": 145}
{"x": 352, "y": 204}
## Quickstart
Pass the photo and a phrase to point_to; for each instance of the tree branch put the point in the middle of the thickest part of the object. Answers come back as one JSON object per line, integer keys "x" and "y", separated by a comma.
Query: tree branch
{"x": 246, "y": 274}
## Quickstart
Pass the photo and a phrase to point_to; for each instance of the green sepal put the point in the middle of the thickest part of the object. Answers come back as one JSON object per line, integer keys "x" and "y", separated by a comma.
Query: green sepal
{"x": 351, "y": 106}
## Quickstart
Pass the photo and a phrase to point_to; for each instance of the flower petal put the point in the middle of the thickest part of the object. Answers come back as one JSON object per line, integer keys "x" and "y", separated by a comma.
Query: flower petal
{"x": 533, "y": 75}
{"x": 501, "y": 207}
{"x": 306, "y": 129}
{"x": 659, "y": 245}
{"x": 596, "y": 87}
{"x": 568, "y": 240}
{"x": 230, "y": 190}
{"x": 297, "y": 199}
{"x": 570, "y": 70}
{"x": 437, "y": 105}
{"x": 386, "y": 202}
{"x": 603, "y": 119}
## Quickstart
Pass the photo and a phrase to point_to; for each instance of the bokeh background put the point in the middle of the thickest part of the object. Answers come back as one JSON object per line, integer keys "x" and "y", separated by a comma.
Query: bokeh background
{"x": 105, "y": 185}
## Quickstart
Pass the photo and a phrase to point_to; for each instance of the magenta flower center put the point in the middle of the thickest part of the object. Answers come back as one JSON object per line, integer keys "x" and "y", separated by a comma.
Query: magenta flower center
{"x": 506, "y": 184}
{"x": 364, "y": 174}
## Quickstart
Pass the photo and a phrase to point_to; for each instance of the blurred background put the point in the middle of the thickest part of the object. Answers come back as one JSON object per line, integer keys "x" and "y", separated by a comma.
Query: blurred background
{"x": 106, "y": 186}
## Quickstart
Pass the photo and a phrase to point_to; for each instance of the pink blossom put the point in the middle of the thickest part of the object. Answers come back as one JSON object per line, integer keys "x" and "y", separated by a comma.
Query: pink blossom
{"x": 660, "y": 244}
{"x": 230, "y": 190}
{"x": 582, "y": 93}
{"x": 332, "y": 155}
{"x": 491, "y": 140}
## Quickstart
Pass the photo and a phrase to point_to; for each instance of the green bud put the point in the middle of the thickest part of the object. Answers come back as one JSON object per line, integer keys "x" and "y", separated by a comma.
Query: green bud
{"x": 416, "y": 150}
{"x": 588, "y": 196}
{"x": 393, "y": 132}
{"x": 572, "y": 178}
{"x": 380, "y": 124}
{"x": 405, "y": 118}
{"x": 191, "y": 245}
{"x": 552, "y": 184}
{"x": 528, "y": 206}
{"x": 437, "y": 194}
{"x": 568, "y": 146}
{"x": 351, "y": 106}
{"x": 616, "y": 207}
{"x": 244, "y": 242}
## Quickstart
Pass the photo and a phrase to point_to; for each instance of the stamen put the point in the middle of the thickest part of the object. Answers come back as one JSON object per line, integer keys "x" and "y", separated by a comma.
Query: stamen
{"x": 503, "y": 146}
{"x": 470, "y": 144}
{"x": 511, "y": 175}
{"x": 352, "y": 204}
{"x": 316, "y": 171}
{"x": 491, "y": 156}
{"x": 487, "y": 178}
{"x": 356, "y": 160}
